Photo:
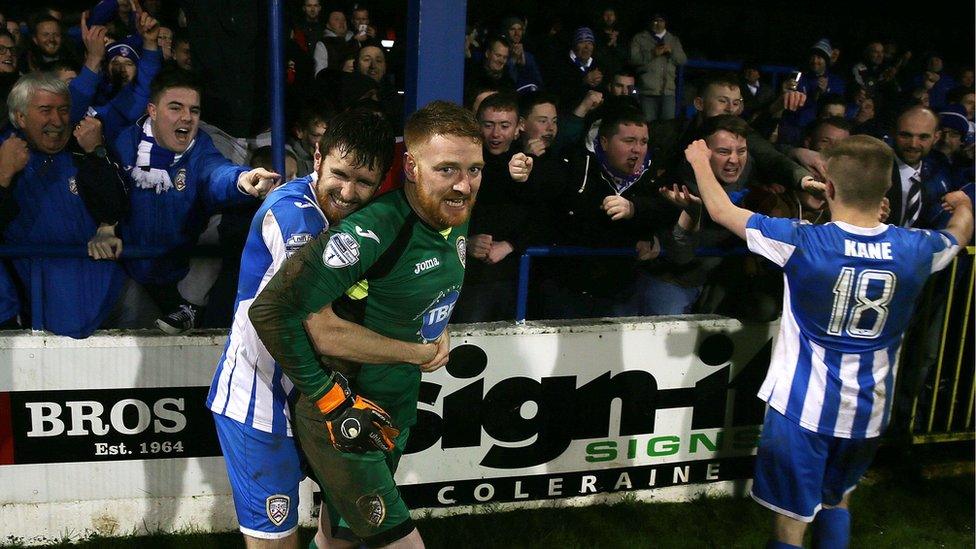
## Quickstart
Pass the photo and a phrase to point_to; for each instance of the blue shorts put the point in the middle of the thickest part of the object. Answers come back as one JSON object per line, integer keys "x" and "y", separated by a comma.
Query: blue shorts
{"x": 264, "y": 471}
{"x": 798, "y": 471}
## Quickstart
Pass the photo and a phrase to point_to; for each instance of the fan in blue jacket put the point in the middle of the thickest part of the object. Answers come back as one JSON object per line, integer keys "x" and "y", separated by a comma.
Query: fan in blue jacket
{"x": 177, "y": 177}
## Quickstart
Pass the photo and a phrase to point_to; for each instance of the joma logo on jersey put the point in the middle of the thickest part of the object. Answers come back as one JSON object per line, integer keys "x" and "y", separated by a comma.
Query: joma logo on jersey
{"x": 426, "y": 264}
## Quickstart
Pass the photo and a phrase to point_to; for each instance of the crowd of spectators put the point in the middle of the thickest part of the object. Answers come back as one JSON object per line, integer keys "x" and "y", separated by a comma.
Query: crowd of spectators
{"x": 109, "y": 145}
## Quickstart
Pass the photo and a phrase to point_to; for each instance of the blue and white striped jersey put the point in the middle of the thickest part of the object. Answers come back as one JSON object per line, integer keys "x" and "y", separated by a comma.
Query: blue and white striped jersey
{"x": 248, "y": 385}
{"x": 849, "y": 295}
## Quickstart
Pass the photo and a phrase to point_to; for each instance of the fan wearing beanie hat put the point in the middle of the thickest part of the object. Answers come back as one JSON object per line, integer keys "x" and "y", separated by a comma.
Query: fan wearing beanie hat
{"x": 955, "y": 135}
{"x": 121, "y": 60}
{"x": 816, "y": 81}
{"x": 577, "y": 72}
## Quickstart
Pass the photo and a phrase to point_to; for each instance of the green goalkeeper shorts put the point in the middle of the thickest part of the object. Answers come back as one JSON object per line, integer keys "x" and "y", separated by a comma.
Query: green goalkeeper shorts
{"x": 363, "y": 500}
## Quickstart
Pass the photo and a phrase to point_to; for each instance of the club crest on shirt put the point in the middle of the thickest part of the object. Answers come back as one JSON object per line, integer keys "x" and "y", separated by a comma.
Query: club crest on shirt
{"x": 341, "y": 251}
{"x": 180, "y": 182}
{"x": 295, "y": 242}
{"x": 373, "y": 508}
{"x": 73, "y": 186}
{"x": 462, "y": 249}
{"x": 277, "y": 507}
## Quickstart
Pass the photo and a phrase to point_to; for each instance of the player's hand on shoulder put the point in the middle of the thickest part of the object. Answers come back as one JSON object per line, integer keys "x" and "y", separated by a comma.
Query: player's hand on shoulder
{"x": 355, "y": 424}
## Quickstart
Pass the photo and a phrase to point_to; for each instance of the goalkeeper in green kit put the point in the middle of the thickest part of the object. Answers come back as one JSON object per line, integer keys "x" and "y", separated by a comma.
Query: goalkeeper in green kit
{"x": 355, "y": 316}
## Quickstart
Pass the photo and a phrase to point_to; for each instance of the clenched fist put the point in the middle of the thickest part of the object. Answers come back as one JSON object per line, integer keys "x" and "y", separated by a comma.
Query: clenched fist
{"x": 14, "y": 155}
{"x": 519, "y": 167}
{"x": 88, "y": 132}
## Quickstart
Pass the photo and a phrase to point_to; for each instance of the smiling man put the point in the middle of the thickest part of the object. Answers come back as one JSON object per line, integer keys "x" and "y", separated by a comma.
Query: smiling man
{"x": 249, "y": 397}
{"x": 395, "y": 266}
{"x": 177, "y": 176}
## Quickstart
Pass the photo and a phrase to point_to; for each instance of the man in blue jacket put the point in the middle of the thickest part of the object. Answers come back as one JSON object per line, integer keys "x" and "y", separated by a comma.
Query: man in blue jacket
{"x": 177, "y": 178}
{"x": 45, "y": 196}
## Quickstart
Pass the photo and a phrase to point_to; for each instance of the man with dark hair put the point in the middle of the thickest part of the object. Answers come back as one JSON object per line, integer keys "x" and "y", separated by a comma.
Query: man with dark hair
{"x": 756, "y": 94}
{"x": 310, "y": 126}
{"x": 182, "y": 56}
{"x": 47, "y": 44}
{"x": 396, "y": 267}
{"x": 827, "y": 131}
{"x": 363, "y": 30}
{"x": 538, "y": 123}
{"x": 309, "y": 26}
{"x": 522, "y": 66}
{"x": 607, "y": 199}
{"x": 177, "y": 177}
{"x": 490, "y": 70}
{"x": 720, "y": 94}
{"x": 250, "y": 399}
{"x": 676, "y": 283}
{"x": 501, "y": 225}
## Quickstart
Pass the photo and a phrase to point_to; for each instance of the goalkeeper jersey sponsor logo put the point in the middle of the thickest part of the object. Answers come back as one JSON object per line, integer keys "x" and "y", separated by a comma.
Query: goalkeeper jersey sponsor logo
{"x": 436, "y": 317}
{"x": 342, "y": 251}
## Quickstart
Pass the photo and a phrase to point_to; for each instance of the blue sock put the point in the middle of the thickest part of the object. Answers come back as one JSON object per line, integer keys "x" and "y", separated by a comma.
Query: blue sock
{"x": 832, "y": 529}
{"x": 775, "y": 544}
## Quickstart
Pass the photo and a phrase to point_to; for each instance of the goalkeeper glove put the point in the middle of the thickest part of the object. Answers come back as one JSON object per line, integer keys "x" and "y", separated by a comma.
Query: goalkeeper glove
{"x": 355, "y": 424}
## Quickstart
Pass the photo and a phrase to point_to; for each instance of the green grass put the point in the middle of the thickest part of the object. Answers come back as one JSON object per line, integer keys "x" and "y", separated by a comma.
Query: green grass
{"x": 891, "y": 509}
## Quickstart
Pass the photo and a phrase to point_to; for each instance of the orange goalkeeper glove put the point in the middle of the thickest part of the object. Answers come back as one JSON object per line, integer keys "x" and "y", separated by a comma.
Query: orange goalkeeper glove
{"x": 355, "y": 424}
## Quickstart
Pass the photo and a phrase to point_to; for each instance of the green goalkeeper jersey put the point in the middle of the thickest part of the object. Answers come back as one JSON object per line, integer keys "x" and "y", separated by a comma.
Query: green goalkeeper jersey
{"x": 381, "y": 267}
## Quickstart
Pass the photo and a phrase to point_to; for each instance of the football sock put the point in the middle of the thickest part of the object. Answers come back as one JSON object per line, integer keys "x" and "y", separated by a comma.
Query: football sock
{"x": 832, "y": 529}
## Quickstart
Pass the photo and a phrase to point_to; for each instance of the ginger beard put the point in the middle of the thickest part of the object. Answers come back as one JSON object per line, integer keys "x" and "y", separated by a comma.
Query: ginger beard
{"x": 443, "y": 178}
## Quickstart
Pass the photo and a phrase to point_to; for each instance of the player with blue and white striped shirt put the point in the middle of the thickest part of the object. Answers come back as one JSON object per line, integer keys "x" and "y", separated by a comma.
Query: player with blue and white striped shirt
{"x": 249, "y": 395}
{"x": 851, "y": 287}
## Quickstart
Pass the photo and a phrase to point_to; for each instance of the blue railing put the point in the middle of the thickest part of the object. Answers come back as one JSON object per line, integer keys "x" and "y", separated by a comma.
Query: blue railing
{"x": 35, "y": 252}
{"x": 525, "y": 263}
{"x": 775, "y": 71}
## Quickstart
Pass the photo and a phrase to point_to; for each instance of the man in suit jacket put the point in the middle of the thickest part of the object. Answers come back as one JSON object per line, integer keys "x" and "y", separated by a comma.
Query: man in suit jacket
{"x": 917, "y": 182}
{"x": 756, "y": 94}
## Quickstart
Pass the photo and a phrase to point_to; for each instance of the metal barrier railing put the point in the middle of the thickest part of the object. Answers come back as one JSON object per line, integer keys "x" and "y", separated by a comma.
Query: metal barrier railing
{"x": 525, "y": 263}
{"x": 35, "y": 253}
{"x": 937, "y": 419}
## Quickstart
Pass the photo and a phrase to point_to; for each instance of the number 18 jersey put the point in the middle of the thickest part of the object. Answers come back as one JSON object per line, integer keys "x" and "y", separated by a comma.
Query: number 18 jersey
{"x": 849, "y": 295}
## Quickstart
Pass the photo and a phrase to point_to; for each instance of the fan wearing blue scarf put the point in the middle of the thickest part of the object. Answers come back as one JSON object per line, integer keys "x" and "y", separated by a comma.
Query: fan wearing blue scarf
{"x": 178, "y": 178}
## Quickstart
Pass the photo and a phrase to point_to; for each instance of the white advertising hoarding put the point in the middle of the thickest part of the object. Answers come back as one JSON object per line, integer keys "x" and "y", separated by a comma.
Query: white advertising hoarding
{"x": 110, "y": 435}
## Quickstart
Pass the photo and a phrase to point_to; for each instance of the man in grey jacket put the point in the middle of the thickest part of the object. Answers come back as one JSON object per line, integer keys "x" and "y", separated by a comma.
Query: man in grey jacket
{"x": 657, "y": 53}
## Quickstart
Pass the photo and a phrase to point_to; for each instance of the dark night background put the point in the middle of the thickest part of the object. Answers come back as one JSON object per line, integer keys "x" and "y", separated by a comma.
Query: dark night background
{"x": 769, "y": 32}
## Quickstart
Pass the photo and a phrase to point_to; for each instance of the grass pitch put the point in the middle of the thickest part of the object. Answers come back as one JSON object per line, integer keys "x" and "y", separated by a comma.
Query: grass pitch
{"x": 895, "y": 506}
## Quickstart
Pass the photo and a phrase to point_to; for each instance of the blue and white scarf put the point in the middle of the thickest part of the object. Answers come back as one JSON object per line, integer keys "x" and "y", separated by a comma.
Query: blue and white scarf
{"x": 152, "y": 161}
{"x": 620, "y": 181}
